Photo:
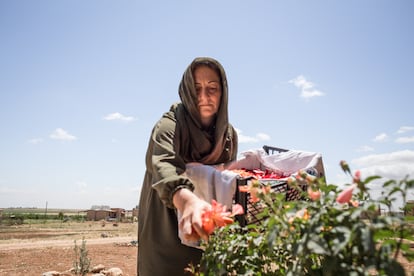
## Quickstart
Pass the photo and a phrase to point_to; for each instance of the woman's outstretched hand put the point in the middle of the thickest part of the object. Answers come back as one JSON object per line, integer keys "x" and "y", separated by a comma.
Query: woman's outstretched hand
{"x": 191, "y": 208}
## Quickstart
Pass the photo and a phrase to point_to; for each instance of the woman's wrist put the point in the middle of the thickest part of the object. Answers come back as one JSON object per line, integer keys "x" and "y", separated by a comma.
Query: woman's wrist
{"x": 182, "y": 196}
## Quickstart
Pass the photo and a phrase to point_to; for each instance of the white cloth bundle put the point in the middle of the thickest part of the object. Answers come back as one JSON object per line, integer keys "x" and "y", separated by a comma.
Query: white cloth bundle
{"x": 210, "y": 182}
{"x": 283, "y": 163}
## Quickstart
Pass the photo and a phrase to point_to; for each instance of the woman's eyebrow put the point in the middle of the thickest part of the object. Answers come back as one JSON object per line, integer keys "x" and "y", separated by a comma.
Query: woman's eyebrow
{"x": 212, "y": 81}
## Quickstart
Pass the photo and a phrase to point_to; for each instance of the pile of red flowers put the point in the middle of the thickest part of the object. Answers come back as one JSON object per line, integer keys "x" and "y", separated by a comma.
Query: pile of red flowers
{"x": 259, "y": 174}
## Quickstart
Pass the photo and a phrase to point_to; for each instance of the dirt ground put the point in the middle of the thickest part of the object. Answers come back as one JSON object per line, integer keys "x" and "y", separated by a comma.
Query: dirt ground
{"x": 35, "y": 261}
{"x": 30, "y": 250}
{"x": 34, "y": 250}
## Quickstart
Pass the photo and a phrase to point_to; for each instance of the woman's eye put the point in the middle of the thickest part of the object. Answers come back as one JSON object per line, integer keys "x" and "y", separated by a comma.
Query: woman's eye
{"x": 209, "y": 90}
{"x": 212, "y": 89}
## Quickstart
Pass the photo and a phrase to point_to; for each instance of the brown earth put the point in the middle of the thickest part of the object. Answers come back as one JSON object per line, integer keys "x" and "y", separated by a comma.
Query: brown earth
{"x": 35, "y": 261}
{"x": 33, "y": 250}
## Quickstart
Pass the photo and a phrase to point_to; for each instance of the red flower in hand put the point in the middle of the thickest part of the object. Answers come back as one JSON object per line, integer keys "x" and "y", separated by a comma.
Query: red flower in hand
{"x": 217, "y": 216}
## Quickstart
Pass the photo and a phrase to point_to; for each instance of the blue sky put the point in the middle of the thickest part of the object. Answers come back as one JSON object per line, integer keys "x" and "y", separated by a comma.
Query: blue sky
{"x": 83, "y": 82}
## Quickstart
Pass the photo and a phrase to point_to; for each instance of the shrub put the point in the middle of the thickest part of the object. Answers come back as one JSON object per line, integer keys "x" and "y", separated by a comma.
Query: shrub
{"x": 82, "y": 261}
{"x": 331, "y": 232}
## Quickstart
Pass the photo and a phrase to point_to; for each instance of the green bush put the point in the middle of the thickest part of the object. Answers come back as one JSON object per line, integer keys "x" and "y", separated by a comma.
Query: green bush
{"x": 337, "y": 232}
{"x": 82, "y": 261}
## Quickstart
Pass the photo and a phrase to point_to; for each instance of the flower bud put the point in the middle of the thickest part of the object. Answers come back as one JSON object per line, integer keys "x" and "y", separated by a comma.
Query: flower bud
{"x": 345, "y": 166}
{"x": 313, "y": 194}
{"x": 346, "y": 195}
{"x": 357, "y": 177}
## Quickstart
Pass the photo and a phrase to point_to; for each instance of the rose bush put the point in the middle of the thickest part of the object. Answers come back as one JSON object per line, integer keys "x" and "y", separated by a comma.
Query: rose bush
{"x": 331, "y": 232}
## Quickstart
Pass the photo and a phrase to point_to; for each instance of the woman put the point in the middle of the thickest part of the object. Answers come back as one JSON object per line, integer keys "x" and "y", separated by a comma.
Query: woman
{"x": 195, "y": 130}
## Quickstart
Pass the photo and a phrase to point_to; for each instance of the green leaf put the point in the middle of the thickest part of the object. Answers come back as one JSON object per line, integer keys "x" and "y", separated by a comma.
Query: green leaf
{"x": 388, "y": 183}
{"x": 341, "y": 238}
{"x": 318, "y": 246}
{"x": 371, "y": 178}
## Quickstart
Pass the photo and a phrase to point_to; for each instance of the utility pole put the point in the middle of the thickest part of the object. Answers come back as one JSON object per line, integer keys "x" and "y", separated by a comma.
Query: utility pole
{"x": 46, "y": 210}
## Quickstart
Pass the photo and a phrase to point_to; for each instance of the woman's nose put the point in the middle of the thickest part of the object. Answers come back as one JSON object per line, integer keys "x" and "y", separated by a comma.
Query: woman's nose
{"x": 202, "y": 94}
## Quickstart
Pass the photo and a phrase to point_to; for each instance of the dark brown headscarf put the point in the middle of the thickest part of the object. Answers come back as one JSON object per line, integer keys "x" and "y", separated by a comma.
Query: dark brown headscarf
{"x": 208, "y": 146}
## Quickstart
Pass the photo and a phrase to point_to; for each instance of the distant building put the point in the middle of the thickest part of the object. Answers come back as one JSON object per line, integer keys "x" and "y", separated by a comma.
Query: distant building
{"x": 409, "y": 208}
{"x": 112, "y": 214}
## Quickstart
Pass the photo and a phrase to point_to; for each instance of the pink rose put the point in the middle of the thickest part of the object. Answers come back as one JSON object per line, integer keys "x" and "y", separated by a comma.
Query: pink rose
{"x": 313, "y": 194}
{"x": 346, "y": 195}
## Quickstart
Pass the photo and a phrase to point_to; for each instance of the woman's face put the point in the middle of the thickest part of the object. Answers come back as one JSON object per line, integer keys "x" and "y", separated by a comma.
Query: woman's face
{"x": 208, "y": 88}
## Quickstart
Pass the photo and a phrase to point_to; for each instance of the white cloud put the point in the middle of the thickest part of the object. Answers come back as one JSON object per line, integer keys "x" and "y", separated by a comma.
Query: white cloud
{"x": 307, "y": 88}
{"x": 252, "y": 139}
{"x": 61, "y": 134}
{"x": 118, "y": 117}
{"x": 405, "y": 129}
{"x": 35, "y": 141}
{"x": 381, "y": 137}
{"x": 405, "y": 140}
{"x": 395, "y": 165}
{"x": 263, "y": 136}
{"x": 365, "y": 149}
